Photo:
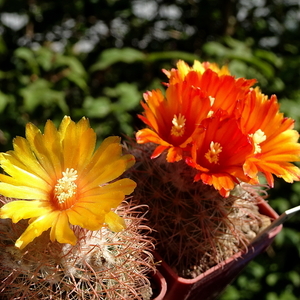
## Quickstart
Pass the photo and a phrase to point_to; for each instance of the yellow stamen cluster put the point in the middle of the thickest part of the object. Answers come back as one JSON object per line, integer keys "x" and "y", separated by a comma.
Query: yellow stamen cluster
{"x": 66, "y": 187}
{"x": 212, "y": 155}
{"x": 258, "y": 137}
{"x": 178, "y": 125}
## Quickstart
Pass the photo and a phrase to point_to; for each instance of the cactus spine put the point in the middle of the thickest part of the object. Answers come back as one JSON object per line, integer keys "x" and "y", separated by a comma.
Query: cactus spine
{"x": 102, "y": 265}
{"x": 194, "y": 226}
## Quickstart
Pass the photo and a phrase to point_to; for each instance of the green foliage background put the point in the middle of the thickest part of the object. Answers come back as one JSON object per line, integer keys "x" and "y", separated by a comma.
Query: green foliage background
{"x": 95, "y": 58}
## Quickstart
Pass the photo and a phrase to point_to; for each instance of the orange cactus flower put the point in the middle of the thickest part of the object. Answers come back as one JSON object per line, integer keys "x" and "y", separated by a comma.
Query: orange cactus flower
{"x": 62, "y": 181}
{"x": 172, "y": 119}
{"x": 177, "y": 75}
{"x": 224, "y": 91}
{"x": 219, "y": 154}
{"x": 192, "y": 95}
{"x": 221, "y": 126}
{"x": 272, "y": 135}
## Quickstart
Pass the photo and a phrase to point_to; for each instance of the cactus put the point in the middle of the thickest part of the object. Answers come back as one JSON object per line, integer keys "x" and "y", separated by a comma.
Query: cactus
{"x": 194, "y": 226}
{"x": 209, "y": 140}
{"x": 102, "y": 264}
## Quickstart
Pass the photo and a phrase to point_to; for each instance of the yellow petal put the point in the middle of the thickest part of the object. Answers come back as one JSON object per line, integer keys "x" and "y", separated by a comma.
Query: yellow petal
{"x": 86, "y": 148}
{"x": 125, "y": 185}
{"x": 61, "y": 231}
{"x": 21, "y": 209}
{"x": 86, "y": 219}
{"x": 69, "y": 146}
{"x": 64, "y": 125}
{"x": 23, "y": 153}
{"x": 36, "y": 141}
{"x": 51, "y": 139}
{"x": 22, "y": 176}
{"x": 109, "y": 151}
{"x": 114, "y": 222}
{"x": 35, "y": 229}
{"x": 78, "y": 154}
{"x": 107, "y": 173}
{"x": 22, "y": 192}
{"x": 102, "y": 202}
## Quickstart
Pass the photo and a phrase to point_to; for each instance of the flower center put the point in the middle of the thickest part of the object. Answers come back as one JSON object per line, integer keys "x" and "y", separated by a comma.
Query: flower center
{"x": 212, "y": 155}
{"x": 178, "y": 125}
{"x": 258, "y": 137}
{"x": 66, "y": 187}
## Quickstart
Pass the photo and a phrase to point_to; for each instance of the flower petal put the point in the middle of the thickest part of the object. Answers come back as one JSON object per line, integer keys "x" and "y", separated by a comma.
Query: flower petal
{"x": 102, "y": 202}
{"x": 36, "y": 228}
{"x": 61, "y": 231}
{"x": 125, "y": 185}
{"x": 85, "y": 218}
{"x": 147, "y": 135}
{"x": 36, "y": 142}
{"x": 114, "y": 222}
{"x": 21, "y": 209}
{"x": 26, "y": 157}
{"x": 99, "y": 176}
{"x": 22, "y": 176}
{"x": 78, "y": 154}
{"x": 22, "y": 192}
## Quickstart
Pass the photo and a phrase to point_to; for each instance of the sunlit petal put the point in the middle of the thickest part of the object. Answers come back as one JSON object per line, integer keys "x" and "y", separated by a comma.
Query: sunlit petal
{"x": 21, "y": 209}
{"x": 114, "y": 222}
{"x": 125, "y": 185}
{"x": 36, "y": 228}
{"x": 21, "y": 192}
{"x": 61, "y": 231}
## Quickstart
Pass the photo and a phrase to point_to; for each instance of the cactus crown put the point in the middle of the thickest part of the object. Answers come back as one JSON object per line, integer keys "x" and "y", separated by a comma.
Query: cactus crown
{"x": 195, "y": 227}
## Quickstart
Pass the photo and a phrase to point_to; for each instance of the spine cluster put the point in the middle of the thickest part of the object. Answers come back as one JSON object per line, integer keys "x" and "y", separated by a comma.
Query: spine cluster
{"x": 102, "y": 265}
{"x": 194, "y": 226}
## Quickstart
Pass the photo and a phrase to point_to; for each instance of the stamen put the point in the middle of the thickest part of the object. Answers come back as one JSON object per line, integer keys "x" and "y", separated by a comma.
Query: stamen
{"x": 178, "y": 125}
{"x": 210, "y": 113}
{"x": 257, "y": 137}
{"x": 212, "y": 155}
{"x": 212, "y": 100}
{"x": 66, "y": 187}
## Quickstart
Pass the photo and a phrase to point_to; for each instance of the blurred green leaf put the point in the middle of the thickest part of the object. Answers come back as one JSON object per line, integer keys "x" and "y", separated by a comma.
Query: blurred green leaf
{"x": 271, "y": 296}
{"x": 45, "y": 58}
{"x": 268, "y": 56}
{"x": 295, "y": 278}
{"x": 111, "y": 56}
{"x": 264, "y": 61}
{"x": 40, "y": 93}
{"x": 231, "y": 293}
{"x": 28, "y": 56}
{"x": 171, "y": 55}
{"x": 4, "y": 100}
{"x": 288, "y": 295}
{"x": 291, "y": 108}
{"x": 127, "y": 94}
{"x": 96, "y": 108}
{"x": 70, "y": 61}
{"x": 75, "y": 71}
{"x": 272, "y": 278}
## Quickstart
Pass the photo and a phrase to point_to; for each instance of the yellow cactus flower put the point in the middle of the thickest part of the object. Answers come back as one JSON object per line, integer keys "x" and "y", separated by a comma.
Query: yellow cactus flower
{"x": 63, "y": 181}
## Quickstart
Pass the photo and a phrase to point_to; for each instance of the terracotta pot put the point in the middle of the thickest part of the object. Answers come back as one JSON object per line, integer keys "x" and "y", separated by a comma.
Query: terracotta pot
{"x": 211, "y": 283}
